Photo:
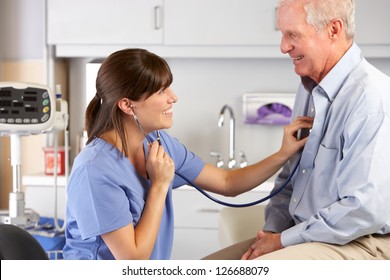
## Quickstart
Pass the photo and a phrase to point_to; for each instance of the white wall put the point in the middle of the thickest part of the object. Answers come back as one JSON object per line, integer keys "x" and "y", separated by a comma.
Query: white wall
{"x": 205, "y": 85}
{"x": 22, "y": 29}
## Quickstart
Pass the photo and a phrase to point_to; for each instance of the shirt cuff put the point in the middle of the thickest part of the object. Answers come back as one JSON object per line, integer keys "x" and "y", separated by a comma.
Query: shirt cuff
{"x": 292, "y": 236}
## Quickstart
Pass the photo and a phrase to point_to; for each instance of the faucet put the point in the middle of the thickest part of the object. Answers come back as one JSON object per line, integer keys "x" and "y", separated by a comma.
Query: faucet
{"x": 232, "y": 160}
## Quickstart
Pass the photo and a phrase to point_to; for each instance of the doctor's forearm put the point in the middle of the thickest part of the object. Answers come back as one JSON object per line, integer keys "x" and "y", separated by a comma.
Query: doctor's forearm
{"x": 245, "y": 179}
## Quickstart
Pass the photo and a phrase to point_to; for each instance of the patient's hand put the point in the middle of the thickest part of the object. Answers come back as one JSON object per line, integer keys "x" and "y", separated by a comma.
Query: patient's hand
{"x": 266, "y": 242}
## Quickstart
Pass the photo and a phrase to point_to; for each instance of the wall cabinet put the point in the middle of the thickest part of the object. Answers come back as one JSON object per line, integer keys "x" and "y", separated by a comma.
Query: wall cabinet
{"x": 220, "y": 22}
{"x": 96, "y": 22}
{"x": 172, "y": 28}
{"x": 190, "y": 28}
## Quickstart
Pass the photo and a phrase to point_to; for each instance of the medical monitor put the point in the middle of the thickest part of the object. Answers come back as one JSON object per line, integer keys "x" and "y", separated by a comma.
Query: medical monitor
{"x": 26, "y": 108}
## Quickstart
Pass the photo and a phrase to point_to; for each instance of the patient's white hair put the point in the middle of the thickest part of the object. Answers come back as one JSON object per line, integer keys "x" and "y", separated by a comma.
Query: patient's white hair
{"x": 321, "y": 12}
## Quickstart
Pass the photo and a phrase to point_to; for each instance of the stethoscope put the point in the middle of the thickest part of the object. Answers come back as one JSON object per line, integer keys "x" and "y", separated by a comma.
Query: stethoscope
{"x": 240, "y": 205}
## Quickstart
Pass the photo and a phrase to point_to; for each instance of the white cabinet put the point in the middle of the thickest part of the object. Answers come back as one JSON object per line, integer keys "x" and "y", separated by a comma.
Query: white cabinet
{"x": 40, "y": 195}
{"x": 190, "y": 28}
{"x": 194, "y": 243}
{"x": 184, "y": 22}
{"x": 171, "y": 28}
{"x": 197, "y": 218}
{"x": 220, "y": 22}
{"x": 96, "y": 22}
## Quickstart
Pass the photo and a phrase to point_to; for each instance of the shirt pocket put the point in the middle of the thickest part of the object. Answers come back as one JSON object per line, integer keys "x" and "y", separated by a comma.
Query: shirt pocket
{"x": 325, "y": 172}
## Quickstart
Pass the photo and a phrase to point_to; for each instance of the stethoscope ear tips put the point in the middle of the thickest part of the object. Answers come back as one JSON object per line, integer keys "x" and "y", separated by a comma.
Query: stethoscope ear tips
{"x": 158, "y": 137}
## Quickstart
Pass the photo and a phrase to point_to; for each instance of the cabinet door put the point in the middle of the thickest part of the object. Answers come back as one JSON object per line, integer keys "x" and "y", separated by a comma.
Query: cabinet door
{"x": 91, "y": 22}
{"x": 372, "y": 22}
{"x": 220, "y": 22}
{"x": 194, "y": 244}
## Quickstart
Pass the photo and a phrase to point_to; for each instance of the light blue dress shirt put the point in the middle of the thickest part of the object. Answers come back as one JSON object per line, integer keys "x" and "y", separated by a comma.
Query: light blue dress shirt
{"x": 341, "y": 190}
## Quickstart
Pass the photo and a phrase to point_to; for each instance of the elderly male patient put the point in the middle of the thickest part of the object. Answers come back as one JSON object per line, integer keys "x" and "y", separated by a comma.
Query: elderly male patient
{"x": 336, "y": 205}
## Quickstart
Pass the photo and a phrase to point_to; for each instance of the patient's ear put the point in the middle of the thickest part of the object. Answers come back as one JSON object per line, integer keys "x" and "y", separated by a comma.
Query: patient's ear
{"x": 126, "y": 106}
{"x": 335, "y": 28}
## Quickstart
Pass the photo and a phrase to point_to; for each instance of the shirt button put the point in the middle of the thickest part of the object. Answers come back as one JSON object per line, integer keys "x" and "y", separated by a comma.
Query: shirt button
{"x": 304, "y": 171}
{"x": 295, "y": 200}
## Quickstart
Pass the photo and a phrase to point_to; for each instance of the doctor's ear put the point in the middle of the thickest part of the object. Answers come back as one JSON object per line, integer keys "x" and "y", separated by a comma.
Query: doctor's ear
{"x": 126, "y": 106}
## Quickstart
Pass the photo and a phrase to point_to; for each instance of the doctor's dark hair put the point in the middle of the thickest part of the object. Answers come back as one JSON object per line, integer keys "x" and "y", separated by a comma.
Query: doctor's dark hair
{"x": 129, "y": 73}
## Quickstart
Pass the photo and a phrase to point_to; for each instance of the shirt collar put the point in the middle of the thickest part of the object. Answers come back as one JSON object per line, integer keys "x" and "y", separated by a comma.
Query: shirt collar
{"x": 334, "y": 80}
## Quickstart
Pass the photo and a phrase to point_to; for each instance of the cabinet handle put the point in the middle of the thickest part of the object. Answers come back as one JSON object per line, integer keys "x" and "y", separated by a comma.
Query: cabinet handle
{"x": 208, "y": 210}
{"x": 276, "y": 19}
{"x": 157, "y": 17}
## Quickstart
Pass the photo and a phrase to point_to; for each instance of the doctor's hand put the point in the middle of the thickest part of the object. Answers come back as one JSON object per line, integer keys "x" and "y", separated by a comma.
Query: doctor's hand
{"x": 290, "y": 142}
{"x": 265, "y": 242}
{"x": 160, "y": 166}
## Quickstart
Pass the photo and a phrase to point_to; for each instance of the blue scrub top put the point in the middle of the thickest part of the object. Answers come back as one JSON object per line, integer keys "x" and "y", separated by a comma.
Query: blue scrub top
{"x": 106, "y": 193}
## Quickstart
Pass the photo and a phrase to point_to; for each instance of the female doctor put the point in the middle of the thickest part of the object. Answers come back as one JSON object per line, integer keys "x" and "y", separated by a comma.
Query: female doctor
{"x": 120, "y": 187}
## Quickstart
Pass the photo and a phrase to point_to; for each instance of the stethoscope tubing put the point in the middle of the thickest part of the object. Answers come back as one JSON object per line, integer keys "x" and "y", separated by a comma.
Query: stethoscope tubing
{"x": 241, "y": 205}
